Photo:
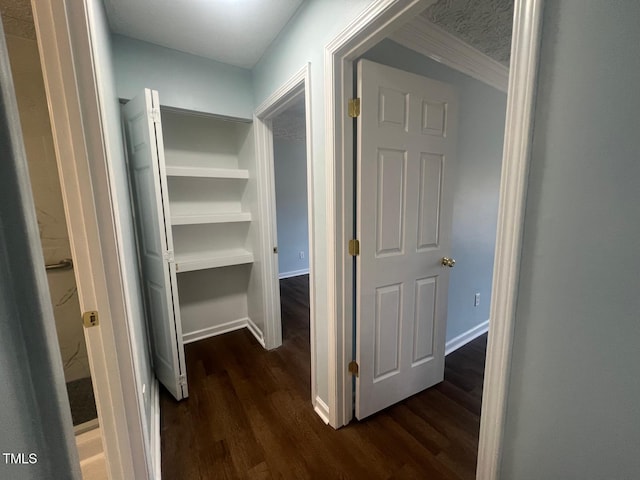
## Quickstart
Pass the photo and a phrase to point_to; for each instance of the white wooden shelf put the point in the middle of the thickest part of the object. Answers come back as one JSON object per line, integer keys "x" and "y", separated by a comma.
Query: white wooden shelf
{"x": 206, "y": 172}
{"x": 200, "y": 218}
{"x": 213, "y": 259}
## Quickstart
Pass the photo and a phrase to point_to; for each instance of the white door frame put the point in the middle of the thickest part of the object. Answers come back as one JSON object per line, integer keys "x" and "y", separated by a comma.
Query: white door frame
{"x": 82, "y": 169}
{"x": 288, "y": 93}
{"x": 375, "y": 23}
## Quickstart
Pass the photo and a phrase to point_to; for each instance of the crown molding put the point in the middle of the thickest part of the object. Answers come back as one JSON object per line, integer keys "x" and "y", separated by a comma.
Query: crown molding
{"x": 428, "y": 39}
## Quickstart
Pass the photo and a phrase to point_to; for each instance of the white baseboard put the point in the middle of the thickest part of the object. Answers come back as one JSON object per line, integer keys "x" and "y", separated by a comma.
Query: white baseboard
{"x": 245, "y": 322}
{"x": 214, "y": 330}
{"x": 322, "y": 409}
{"x": 464, "y": 338}
{"x": 293, "y": 273}
{"x": 155, "y": 429}
{"x": 253, "y": 328}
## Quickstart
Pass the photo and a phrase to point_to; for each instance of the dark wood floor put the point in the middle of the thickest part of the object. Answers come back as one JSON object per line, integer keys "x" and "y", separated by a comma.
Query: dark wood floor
{"x": 249, "y": 415}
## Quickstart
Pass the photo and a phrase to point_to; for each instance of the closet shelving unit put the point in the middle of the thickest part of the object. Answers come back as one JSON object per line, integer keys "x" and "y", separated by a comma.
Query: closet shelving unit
{"x": 209, "y": 165}
{"x": 194, "y": 184}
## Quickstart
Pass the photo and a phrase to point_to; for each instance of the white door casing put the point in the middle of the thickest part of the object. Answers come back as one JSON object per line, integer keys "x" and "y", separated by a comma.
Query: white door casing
{"x": 143, "y": 130}
{"x": 406, "y": 160}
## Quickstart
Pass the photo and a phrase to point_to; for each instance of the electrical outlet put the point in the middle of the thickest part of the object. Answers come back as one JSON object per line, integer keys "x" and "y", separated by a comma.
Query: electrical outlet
{"x": 476, "y": 300}
{"x": 301, "y": 254}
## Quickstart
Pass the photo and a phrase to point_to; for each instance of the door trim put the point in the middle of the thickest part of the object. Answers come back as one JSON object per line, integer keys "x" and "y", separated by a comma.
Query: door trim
{"x": 124, "y": 445}
{"x": 525, "y": 48}
{"x": 298, "y": 85}
{"x": 426, "y": 38}
{"x": 371, "y": 26}
{"x": 376, "y": 22}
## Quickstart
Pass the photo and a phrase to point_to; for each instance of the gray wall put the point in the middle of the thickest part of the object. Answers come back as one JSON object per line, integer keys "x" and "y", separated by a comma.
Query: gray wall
{"x": 183, "y": 80}
{"x": 475, "y": 211}
{"x": 574, "y": 393}
{"x": 34, "y": 409}
{"x": 290, "y": 160}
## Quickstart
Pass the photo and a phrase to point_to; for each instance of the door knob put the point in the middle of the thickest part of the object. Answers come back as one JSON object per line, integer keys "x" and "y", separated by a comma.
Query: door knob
{"x": 448, "y": 262}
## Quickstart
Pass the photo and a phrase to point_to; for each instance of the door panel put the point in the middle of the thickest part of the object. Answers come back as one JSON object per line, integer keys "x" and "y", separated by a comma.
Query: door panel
{"x": 406, "y": 155}
{"x": 431, "y": 170}
{"x": 151, "y": 202}
{"x": 424, "y": 317}
{"x": 391, "y": 202}
{"x": 388, "y": 314}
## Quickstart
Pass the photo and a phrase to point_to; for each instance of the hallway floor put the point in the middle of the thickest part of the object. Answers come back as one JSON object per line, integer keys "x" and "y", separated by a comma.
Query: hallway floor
{"x": 249, "y": 415}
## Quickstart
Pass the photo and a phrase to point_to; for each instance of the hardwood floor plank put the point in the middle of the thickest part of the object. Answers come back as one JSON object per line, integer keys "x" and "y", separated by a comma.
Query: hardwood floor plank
{"x": 249, "y": 415}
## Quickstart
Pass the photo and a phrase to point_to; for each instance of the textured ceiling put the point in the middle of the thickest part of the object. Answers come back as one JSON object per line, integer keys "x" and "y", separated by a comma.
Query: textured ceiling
{"x": 290, "y": 124}
{"x": 17, "y": 18}
{"x": 236, "y": 32}
{"x": 483, "y": 24}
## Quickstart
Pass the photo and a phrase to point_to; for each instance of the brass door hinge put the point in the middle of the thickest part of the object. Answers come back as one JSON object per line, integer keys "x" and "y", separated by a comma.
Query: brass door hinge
{"x": 353, "y": 368}
{"x": 354, "y": 107}
{"x": 354, "y": 247}
{"x": 90, "y": 319}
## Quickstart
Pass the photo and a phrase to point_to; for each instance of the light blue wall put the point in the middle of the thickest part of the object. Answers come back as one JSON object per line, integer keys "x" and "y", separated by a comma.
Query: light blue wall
{"x": 290, "y": 159}
{"x": 477, "y": 184}
{"x": 573, "y": 398}
{"x": 127, "y": 267}
{"x": 303, "y": 40}
{"x": 184, "y": 81}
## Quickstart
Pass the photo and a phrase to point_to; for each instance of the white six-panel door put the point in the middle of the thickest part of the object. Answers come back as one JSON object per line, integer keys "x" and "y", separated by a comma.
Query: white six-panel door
{"x": 145, "y": 148}
{"x": 406, "y": 156}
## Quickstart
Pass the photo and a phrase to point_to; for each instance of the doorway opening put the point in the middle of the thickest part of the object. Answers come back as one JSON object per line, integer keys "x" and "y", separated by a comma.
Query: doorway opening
{"x": 292, "y": 224}
{"x": 37, "y": 135}
{"x": 340, "y": 57}
{"x": 283, "y": 136}
{"x": 430, "y": 193}
{"x": 38, "y": 139}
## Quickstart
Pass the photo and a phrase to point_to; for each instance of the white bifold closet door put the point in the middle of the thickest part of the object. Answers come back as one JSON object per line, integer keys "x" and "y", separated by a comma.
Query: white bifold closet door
{"x": 406, "y": 154}
{"x": 145, "y": 148}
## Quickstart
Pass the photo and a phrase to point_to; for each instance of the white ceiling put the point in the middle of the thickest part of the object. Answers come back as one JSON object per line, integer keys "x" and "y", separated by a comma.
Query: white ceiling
{"x": 236, "y": 32}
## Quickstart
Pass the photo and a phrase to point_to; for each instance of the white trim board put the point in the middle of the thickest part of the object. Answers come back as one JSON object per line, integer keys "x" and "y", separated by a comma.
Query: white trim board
{"x": 426, "y": 38}
{"x": 256, "y": 332}
{"x": 293, "y": 273}
{"x": 321, "y": 409}
{"x": 525, "y": 48}
{"x": 227, "y": 327}
{"x": 461, "y": 340}
{"x": 156, "y": 445}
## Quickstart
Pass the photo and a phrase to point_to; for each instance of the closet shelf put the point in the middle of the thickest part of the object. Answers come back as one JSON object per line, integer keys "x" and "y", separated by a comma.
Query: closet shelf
{"x": 200, "y": 218}
{"x": 213, "y": 259}
{"x": 206, "y": 172}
